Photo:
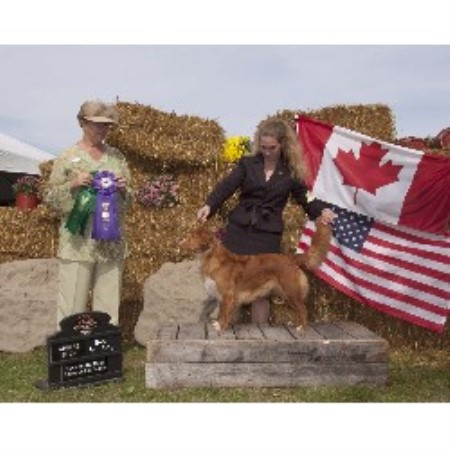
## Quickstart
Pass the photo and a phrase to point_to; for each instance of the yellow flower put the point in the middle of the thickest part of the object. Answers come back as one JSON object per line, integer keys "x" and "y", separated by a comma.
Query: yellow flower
{"x": 234, "y": 148}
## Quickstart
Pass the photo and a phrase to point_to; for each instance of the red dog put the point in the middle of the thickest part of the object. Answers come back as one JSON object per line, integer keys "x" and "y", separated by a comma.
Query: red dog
{"x": 239, "y": 279}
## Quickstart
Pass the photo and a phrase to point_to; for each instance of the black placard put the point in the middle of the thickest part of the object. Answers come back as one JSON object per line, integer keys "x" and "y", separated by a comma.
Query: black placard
{"x": 87, "y": 350}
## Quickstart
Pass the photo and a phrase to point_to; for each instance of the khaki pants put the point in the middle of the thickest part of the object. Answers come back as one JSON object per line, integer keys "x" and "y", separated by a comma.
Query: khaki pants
{"x": 76, "y": 279}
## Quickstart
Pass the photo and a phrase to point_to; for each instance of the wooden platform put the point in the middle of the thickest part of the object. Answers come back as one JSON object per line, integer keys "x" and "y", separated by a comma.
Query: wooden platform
{"x": 324, "y": 354}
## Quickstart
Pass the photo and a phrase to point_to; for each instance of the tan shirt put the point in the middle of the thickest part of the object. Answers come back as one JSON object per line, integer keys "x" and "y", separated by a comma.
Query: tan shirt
{"x": 61, "y": 198}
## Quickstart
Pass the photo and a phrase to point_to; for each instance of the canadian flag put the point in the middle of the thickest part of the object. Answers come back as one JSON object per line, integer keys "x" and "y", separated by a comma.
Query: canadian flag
{"x": 390, "y": 183}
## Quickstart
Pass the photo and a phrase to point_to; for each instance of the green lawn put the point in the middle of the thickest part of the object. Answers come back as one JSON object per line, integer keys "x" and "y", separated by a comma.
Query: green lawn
{"x": 414, "y": 376}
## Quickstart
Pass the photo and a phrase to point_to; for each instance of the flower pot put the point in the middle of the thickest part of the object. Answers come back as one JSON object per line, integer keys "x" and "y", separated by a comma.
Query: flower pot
{"x": 26, "y": 202}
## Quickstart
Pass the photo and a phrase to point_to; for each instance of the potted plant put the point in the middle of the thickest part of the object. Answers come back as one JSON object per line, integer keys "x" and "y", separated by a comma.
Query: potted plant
{"x": 27, "y": 192}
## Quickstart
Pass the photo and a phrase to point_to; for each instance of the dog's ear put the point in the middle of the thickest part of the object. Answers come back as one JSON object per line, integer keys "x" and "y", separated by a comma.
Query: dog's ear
{"x": 204, "y": 231}
{"x": 202, "y": 226}
{"x": 207, "y": 235}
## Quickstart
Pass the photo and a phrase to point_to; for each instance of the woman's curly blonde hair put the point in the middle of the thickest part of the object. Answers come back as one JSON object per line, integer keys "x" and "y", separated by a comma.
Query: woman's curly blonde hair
{"x": 291, "y": 151}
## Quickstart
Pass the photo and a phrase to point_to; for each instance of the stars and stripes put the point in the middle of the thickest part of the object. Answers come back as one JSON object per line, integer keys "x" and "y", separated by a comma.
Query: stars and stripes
{"x": 396, "y": 270}
{"x": 351, "y": 229}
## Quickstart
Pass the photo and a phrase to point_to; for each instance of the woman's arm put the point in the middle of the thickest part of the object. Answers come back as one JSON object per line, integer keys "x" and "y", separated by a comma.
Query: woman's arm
{"x": 312, "y": 206}
{"x": 226, "y": 188}
{"x": 58, "y": 193}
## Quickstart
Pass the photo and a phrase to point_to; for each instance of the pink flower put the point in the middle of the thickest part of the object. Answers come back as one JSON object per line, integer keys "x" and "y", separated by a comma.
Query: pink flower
{"x": 28, "y": 184}
{"x": 161, "y": 191}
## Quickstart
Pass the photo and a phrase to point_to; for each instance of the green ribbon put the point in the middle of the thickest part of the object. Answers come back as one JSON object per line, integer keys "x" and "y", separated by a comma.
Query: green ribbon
{"x": 82, "y": 209}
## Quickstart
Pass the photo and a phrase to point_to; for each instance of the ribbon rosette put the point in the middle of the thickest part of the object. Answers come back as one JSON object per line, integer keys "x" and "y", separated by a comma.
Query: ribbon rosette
{"x": 106, "y": 217}
{"x": 81, "y": 211}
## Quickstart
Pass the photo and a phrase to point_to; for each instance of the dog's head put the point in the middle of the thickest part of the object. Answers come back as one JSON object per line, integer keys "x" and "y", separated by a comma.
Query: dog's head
{"x": 198, "y": 240}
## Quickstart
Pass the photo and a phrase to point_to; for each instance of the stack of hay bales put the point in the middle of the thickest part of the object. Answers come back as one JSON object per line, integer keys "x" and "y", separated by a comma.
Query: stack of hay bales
{"x": 188, "y": 147}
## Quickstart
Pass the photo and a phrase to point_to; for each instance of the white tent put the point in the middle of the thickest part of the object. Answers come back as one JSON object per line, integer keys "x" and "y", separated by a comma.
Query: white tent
{"x": 18, "y": 157}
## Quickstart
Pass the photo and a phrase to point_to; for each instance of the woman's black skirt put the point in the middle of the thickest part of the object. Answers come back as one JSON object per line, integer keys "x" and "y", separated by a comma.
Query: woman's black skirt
{"x": 245, "y": 240}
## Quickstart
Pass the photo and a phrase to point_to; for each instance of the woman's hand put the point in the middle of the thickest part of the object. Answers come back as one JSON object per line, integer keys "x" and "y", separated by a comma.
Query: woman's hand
{"x": 121, "y": 182}
{"x": 82, "y": 179}
{"x": 327, "y": 216}
{"x": 203, "y": 213}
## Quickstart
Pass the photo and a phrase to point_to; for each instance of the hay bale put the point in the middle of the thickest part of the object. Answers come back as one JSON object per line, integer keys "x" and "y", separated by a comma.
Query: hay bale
{"x": 168, "y": 141}
{"x": 375, "y": 120}
{"x": 27, "y": 234}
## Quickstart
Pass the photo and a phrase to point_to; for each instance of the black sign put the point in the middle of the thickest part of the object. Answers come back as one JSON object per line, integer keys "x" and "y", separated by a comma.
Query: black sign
{"x": 87, "y": 350}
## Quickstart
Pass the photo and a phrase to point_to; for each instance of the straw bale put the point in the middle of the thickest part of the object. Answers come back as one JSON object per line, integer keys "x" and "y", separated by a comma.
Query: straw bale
{"x": 27, "y": 234}
{"x": 166, "y": 139}
{"x": 375, "y": 120}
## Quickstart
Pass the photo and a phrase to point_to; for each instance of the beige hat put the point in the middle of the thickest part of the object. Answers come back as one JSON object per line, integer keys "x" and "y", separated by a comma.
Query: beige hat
{"x": 99, "y": 112}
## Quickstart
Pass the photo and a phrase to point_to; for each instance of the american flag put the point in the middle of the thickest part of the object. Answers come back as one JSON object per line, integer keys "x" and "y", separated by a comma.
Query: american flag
{"x": 402, "y": 272}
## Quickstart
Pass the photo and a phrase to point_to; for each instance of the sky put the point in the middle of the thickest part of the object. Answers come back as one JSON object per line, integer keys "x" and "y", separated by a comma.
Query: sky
{"x": 237, "y": 85}
{"x": 231, "y": 62}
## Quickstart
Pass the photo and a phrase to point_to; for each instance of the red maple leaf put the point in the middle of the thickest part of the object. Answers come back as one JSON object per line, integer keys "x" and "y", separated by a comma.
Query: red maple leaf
{"x": 366, "y": 172}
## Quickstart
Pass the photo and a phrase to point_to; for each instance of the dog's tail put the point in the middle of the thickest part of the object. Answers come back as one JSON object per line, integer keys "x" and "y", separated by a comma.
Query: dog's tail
{"x": 318, "y": 249}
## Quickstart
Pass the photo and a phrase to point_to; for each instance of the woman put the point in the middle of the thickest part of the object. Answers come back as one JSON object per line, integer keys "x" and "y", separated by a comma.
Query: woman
{"x": 91, "y": 241}
{"x": 266, "y": 179}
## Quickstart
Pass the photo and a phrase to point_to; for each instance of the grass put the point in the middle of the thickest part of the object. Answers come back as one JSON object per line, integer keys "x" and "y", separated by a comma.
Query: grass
{"x": 414, "y": 376}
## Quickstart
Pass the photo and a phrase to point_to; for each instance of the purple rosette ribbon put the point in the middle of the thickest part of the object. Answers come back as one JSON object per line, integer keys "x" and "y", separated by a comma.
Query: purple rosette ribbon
{"x": 106, "y": 218}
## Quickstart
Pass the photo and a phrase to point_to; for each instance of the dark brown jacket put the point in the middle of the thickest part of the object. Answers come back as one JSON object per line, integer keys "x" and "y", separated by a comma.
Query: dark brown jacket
{"x": 261, "y": 203}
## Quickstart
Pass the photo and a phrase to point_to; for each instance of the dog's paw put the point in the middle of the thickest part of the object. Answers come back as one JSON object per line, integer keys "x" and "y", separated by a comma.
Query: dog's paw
{"x": 300, "y": 329}
{"x": 216, "y": 325}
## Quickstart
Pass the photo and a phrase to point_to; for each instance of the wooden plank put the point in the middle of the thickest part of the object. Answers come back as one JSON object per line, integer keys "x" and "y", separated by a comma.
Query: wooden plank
{"x": 192, "y": 331}
{"x": 220, "y": 351}
{"x": 257, "y": 351}
{"x": 357, "y": 331}
{"x": 172, "y": 375}
{"x": 275, "y": 333}
{"x": 212, "y": 334}
{"x": 335, "y": 351}
{"x": 329, "y": 331}
{"x": 306, "y": 334}
{"x": 248, "y": 331}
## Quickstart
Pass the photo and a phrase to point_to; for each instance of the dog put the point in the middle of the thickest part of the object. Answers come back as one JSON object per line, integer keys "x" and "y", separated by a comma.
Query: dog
{"x": 233, "y": 280}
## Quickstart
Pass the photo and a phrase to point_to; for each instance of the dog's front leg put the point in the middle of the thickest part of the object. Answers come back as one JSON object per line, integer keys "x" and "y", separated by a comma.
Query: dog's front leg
{"x": 226, "y": 311}
{"x": 209, "y": 305}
